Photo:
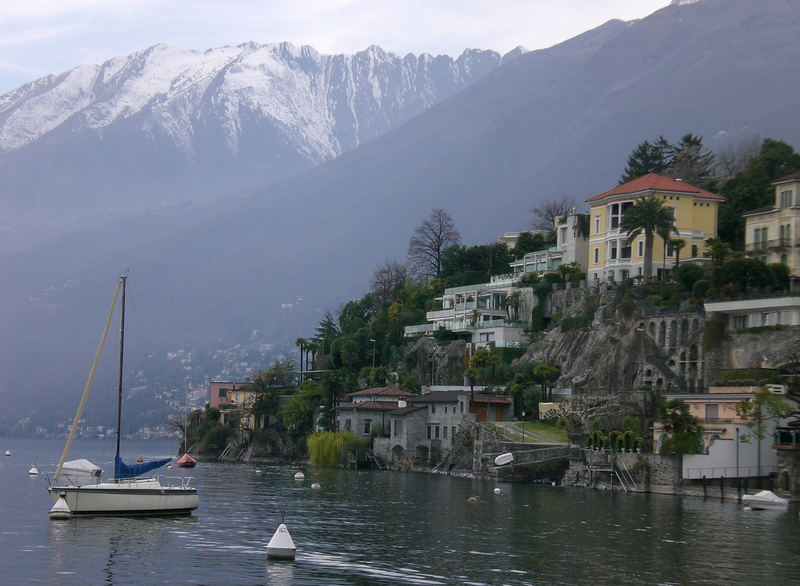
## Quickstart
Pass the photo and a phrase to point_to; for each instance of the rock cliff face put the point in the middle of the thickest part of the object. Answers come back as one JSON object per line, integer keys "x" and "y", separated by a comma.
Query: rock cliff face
{"x": 624, "y": 344}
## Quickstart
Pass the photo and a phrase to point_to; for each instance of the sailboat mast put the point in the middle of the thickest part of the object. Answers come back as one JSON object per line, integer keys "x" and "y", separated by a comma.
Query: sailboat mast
{"x": 123, "y": 279}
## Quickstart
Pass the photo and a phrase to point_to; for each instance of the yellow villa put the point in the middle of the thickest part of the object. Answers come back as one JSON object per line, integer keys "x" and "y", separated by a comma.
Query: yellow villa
{"x": 612, "y": 258}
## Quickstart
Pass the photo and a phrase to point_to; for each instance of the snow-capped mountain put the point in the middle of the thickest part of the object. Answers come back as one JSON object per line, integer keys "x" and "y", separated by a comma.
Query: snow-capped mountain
{"x": 324, "y": 104}
{"x": 165, "y": 124}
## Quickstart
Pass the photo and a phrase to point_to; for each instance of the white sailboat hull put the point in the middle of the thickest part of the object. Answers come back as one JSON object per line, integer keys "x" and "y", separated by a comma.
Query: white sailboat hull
{"x": 139, "y": 496}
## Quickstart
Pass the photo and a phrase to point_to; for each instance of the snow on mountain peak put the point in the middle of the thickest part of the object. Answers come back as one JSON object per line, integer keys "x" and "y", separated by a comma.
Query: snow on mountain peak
{"x": 306, "y": 96}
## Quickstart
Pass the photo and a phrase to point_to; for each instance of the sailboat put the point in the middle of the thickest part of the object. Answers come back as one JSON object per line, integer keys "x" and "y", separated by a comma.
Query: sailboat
{"x": 186, "y": 461}
{"x": 127, "y": 493}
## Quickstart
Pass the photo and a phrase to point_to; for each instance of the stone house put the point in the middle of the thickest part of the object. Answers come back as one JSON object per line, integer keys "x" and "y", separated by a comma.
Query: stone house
{"x": 364, "y": 410}
{"x": 613, "y": 258}
{"x": 423, "y": 426}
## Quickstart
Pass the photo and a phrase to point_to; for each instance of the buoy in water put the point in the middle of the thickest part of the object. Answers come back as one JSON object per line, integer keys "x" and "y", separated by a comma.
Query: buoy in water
{"x": 497, "y": 491}
{"x": 60, "y": 510}
{"x": 33, "y": 471}
{"x": 140, "y": 459}
{"x": 472, "y": 499}
{"x": 299, "y": 476}
{"x": 8, "y": 452}
{"x": 316, "y": 486}
{"x": 281, "y": 546}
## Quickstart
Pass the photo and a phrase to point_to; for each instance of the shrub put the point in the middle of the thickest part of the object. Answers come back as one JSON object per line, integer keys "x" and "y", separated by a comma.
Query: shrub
{"x": 700, "y": 288}
{"x": 713, "y": 334}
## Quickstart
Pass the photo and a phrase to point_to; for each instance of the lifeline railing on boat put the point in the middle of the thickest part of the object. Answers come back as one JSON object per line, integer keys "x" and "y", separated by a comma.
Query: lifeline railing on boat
{"x": 65, "y": 479}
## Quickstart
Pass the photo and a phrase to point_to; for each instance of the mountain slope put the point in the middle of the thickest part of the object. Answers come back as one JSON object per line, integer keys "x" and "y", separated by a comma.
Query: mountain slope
{"x": 243, "y": 273}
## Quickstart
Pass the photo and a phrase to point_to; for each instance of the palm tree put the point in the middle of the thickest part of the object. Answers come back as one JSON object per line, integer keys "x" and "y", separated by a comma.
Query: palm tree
{"x": 718, "y": 251}
{"x": 678, "y": 244}
{"x": 650, "y": 216}
{"x": 545, "y": 372}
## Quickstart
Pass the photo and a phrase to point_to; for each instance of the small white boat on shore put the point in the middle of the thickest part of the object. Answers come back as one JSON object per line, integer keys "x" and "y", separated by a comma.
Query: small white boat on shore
{"x": 766, "y": 499}
{"x": 504, "y": 459}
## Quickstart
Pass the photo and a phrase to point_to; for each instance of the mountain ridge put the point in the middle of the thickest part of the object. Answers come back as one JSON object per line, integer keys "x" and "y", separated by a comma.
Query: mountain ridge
{"x": 272, "y": 260}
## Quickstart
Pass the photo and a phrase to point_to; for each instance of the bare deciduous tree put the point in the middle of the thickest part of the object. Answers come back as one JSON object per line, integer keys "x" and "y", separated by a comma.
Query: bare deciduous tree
{"x": 546, "y": 213}
{"x": 734, "y": 158}
{"x": 387, "y": 279}
{"x": 430, "y": 240}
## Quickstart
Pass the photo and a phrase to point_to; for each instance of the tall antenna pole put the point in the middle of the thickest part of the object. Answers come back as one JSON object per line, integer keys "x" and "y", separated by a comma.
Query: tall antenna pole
{"x": 123, "y": 279}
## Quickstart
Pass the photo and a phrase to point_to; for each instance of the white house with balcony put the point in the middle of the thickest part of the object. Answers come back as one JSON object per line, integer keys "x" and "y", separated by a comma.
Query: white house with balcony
{"x": 570, "y": 247}
{"x": 494, "y": 313}
{"x": 754, "y": 313}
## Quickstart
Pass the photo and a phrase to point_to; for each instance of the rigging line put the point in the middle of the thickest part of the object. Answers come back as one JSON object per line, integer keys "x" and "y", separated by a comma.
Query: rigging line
{"x": 89, "y": 381}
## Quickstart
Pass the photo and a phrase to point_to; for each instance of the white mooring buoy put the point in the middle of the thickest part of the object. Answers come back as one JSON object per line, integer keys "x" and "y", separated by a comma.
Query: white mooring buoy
{"x": 33, "y": 471}
{"x": 299, "y": 476}
{"x": 316, "y": 486}
{"x": 60, "y": 510}
{"x": 281, "y": 546}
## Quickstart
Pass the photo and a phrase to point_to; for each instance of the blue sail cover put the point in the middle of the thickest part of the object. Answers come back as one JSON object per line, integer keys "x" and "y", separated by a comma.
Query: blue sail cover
{"x": 123, "y": 470}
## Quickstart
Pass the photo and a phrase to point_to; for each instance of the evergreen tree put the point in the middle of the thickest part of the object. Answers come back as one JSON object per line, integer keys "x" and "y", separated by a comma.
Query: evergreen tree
{"x": 752, "y": 189}
{"x": 692, "y": 162}
{"x": 647, "y": 158}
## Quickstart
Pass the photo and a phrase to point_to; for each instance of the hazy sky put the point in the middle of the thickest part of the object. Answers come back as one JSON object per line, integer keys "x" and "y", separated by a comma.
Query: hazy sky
{"x": 38, "y": 37}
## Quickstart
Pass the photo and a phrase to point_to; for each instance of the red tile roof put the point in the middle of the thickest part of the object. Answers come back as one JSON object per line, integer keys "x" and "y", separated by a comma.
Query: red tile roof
{"x": 656, "y": 182}
{"x": 383, "y": 391}
{"x": 370, "y": 405}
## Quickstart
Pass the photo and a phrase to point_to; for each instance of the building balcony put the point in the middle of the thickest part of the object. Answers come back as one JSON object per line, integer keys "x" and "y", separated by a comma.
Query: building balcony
{"x": 778, "y": 243}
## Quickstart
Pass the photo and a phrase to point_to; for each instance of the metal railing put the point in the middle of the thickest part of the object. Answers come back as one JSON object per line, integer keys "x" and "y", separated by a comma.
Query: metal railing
{"x": 728, "y": 472}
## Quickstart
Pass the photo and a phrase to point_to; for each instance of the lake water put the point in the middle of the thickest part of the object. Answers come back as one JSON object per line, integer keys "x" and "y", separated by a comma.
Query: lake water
{"x": 378, "y": 527}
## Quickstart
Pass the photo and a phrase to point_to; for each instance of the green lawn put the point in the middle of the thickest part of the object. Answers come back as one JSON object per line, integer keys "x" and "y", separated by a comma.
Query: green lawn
{"x": 550, "y": 432}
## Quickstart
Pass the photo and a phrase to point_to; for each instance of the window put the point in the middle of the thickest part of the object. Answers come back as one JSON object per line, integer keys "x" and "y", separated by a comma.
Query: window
{"x": 453, "y": 429}
{"x": 785, "y": 235}
{"x": 614, "y": 215}
{"x": 562, "y": 235}
{"x": 760, "y": 238}
{"x": 347, "y": 425}
{"x": 694, "y": 251}
{"x": 596, "y": 255}
{"x": 444, "y": 432}
{"x": 436, "y": 432}
{"x": 786, "y": 198}
{"x": 612, "y": 251}
{"x": 223, "y": 392}
{"x": 367, "y": 426}
{"x": 640, "y": 249}
{"x": 712, "y": 411}
{"x": 597, "y": 226}
{"x": 739, "y": 322}
{"x": 433, "y": 408}
{"x": 429, "y": 432}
